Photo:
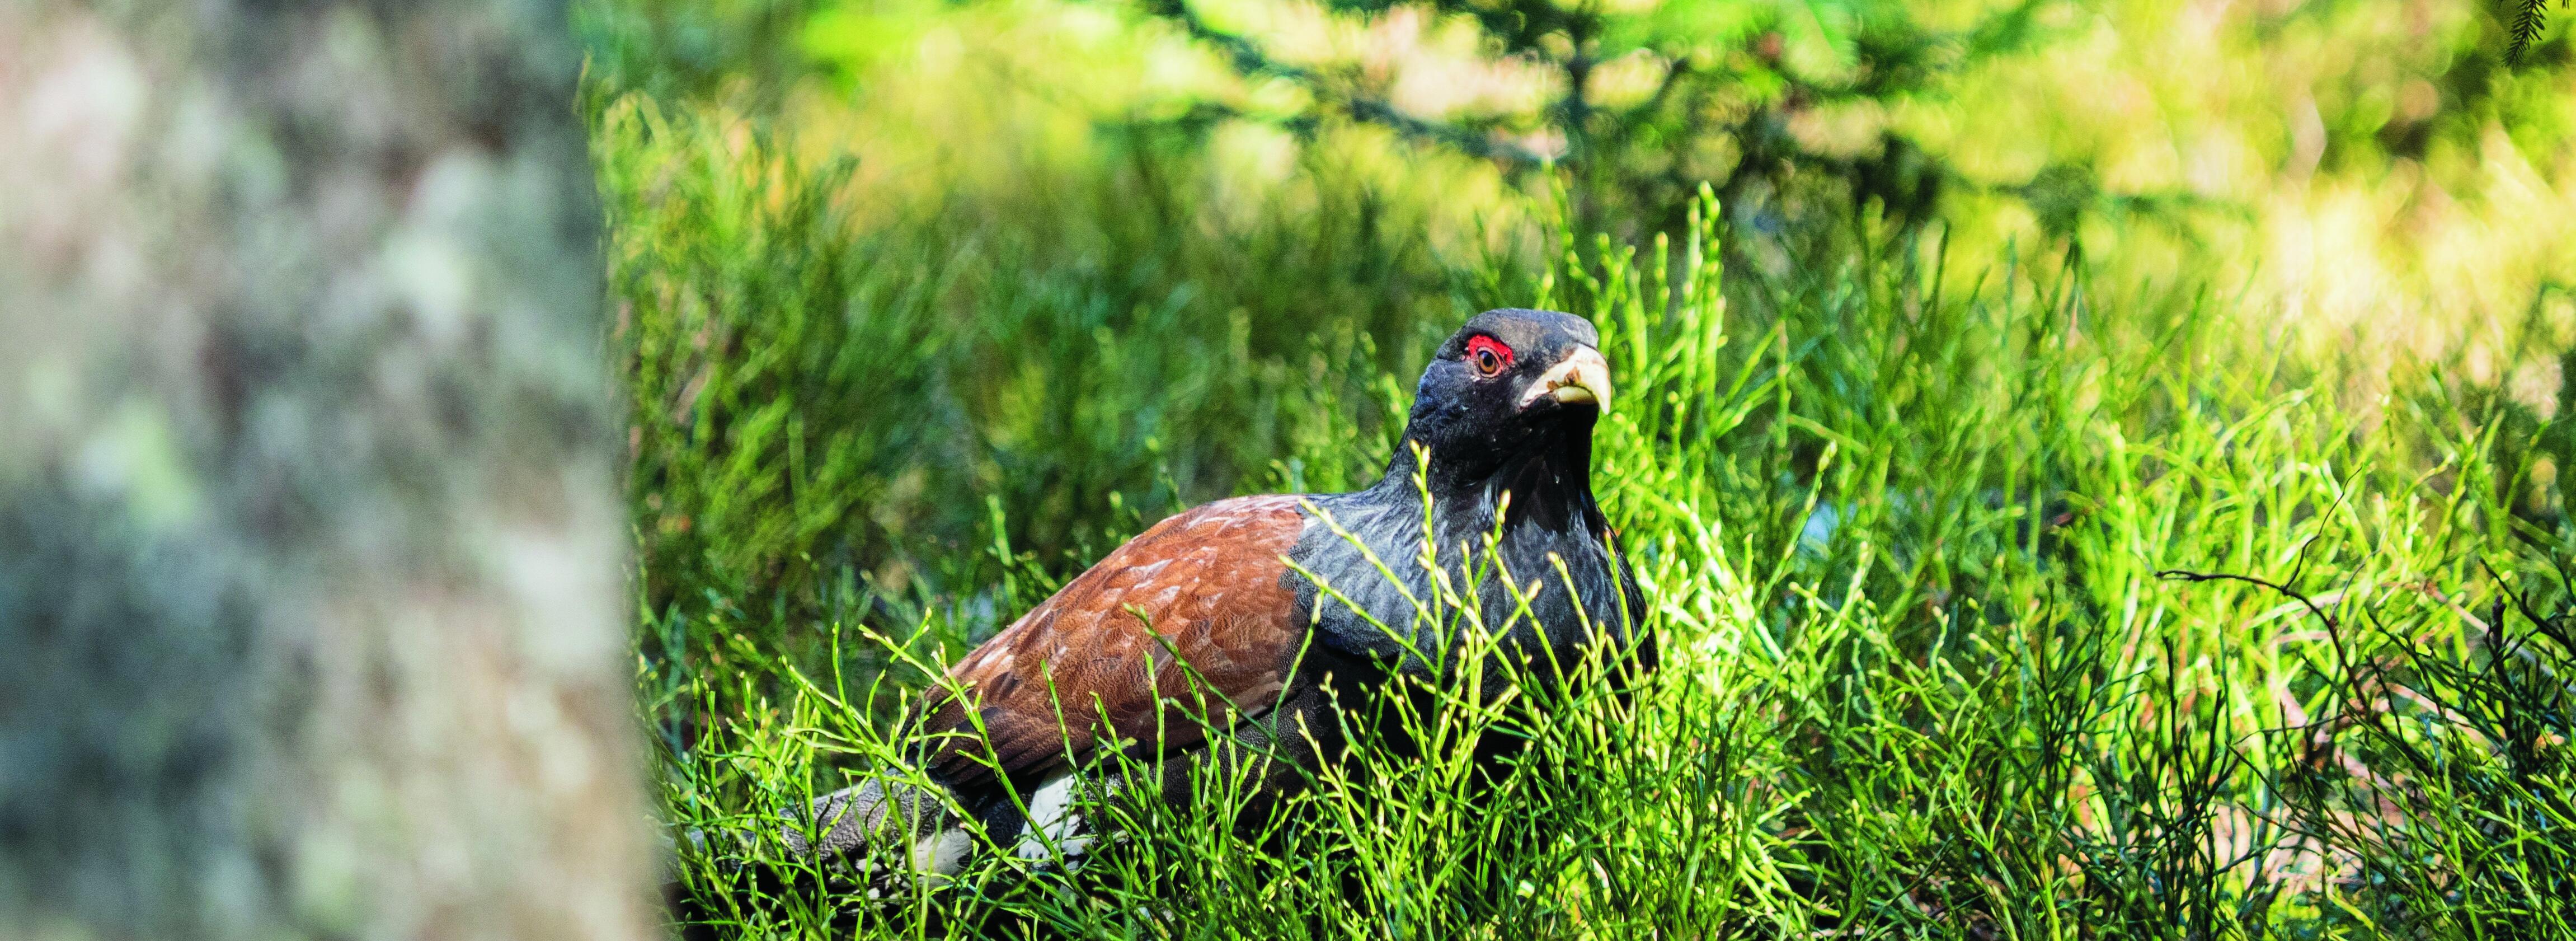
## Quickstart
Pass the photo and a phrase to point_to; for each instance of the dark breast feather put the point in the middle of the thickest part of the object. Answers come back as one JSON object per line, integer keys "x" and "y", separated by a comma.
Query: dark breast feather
{"x": 1072, "y": 673}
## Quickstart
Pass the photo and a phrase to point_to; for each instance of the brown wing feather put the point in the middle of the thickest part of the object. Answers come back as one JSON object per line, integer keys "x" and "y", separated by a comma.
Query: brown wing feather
{"x": 1209, "y": 582}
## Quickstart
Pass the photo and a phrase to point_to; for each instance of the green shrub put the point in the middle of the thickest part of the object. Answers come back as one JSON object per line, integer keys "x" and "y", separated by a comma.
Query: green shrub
{"x": 956, "y": 409}
{"x": 1902, "y": 529}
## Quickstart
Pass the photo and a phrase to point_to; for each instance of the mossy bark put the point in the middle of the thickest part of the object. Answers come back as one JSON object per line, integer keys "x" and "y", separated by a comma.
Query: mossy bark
{"x": 310, "y": 542}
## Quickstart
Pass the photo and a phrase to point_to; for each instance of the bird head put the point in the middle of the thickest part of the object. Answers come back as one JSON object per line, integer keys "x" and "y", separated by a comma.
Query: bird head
{"x": 1511, "y": 383}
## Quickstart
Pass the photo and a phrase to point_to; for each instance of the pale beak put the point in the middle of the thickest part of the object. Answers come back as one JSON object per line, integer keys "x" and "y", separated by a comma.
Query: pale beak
{"x": 1581, "y": 377}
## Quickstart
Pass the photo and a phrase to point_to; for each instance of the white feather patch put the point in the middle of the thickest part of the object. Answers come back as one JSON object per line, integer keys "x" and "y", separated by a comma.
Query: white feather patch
{"x": 1052, "y": 822}
{"x": 942, "y": 853}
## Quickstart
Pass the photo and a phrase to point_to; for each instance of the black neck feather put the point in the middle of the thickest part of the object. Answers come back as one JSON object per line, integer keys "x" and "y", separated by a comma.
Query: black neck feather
{"x": 1551, "y": 517}
{"x": 1549, "y": 483}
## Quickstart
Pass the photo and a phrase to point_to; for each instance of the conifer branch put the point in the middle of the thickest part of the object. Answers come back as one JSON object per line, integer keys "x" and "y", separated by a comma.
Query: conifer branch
{"x": 1248, "y": 58}
{"x": 2523, "y": 25}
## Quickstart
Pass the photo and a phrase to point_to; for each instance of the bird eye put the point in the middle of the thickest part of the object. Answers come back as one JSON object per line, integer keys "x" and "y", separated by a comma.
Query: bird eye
{"x": 1488, "y": 355}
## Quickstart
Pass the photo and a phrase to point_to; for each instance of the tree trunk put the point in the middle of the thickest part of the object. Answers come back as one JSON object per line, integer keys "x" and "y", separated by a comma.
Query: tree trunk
{"x": 311, "y": 605}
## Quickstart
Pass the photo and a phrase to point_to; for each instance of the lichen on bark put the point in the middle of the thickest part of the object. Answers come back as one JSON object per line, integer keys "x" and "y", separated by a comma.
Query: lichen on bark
{"x": 310, "y": 543}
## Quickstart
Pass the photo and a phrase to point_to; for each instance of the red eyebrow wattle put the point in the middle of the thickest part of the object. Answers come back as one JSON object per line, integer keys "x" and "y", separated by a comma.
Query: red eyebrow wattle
{"x": 1477, "y": 343}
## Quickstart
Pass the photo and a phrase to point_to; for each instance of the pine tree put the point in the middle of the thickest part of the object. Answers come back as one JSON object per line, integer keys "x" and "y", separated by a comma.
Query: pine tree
{"x": 1725, "y": 88}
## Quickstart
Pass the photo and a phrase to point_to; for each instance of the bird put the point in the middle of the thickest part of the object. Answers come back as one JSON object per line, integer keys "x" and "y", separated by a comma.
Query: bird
{"x": 1235, "y": 631}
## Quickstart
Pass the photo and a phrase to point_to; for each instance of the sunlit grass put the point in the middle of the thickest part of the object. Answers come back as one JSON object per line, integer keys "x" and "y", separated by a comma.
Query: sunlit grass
{"x": 1901, "y": 523}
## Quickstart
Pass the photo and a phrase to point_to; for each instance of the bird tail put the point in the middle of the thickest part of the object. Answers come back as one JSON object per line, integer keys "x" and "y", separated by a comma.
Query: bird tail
{"x": 849, "y": 835}
{"x": 846, "y": 827}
